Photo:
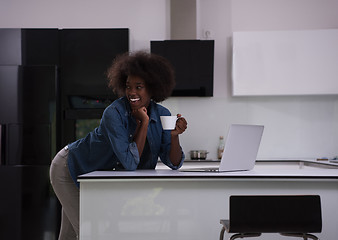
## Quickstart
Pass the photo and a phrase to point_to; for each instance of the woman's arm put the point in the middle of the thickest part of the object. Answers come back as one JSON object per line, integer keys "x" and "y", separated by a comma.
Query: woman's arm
{"x": 175, "y": 149}
{"x": 140, "y": 135}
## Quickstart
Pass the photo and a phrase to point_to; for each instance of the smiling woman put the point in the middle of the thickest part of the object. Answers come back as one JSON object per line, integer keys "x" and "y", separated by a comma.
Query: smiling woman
{"x": 130, "y": 135}
{"x": 144, "y": 78}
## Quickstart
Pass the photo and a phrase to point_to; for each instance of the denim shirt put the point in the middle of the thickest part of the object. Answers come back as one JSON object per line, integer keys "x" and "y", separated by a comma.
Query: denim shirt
{"x": 111, "y": 145}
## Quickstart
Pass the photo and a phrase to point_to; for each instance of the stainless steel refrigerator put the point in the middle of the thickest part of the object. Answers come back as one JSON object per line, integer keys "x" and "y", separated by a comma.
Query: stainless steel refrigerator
{"x": 29, "y": 208}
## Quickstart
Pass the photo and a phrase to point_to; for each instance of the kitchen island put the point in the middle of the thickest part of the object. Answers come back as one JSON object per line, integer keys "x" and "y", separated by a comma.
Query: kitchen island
{"x": 166, "y": 204}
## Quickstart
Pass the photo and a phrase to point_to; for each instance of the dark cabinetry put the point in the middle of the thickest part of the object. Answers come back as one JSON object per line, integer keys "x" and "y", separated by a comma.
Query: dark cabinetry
{"x": 29, "y": 46}
{"x": 85, "y": 56}
{"x": 49, "y": 79}
{"x": 28, "y": 122}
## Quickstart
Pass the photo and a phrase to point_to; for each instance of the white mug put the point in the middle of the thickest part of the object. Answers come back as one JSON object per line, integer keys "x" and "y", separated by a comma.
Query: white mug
{"x": 168, "y": 122}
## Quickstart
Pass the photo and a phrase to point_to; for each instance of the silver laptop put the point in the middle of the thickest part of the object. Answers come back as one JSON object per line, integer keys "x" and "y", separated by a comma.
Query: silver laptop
{"x": 241, "y": 148}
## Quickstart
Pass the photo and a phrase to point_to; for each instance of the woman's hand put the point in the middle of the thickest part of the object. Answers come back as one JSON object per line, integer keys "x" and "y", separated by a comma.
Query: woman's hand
{"x": 181, "y": 125}
{"x": 175, "y": 150}
{"x": 140, "y": 115}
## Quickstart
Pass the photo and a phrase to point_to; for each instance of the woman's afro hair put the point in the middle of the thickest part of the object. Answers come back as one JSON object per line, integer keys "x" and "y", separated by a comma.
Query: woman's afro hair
{"x": 156, "y": 71}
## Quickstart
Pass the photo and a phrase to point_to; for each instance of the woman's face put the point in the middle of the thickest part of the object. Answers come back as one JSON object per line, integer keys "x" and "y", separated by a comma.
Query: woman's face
{"x": 137, "y": 93}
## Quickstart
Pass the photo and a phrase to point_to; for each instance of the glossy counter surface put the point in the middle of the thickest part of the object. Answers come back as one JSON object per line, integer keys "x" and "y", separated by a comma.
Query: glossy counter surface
{"x": 163, "y": 204}
{"x": 271, "y": 169}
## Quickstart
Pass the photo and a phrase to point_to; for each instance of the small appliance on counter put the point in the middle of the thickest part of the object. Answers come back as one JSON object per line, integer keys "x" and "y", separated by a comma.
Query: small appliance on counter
{"x": 198, "y": 154}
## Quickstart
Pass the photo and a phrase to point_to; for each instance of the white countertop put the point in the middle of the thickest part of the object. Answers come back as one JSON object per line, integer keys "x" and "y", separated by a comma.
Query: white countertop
{"x": 263, "y": 169}
{"x": 168, "y": 204}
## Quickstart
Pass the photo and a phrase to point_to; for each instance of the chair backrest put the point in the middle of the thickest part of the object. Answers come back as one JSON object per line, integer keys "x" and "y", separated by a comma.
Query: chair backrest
{"x": 275, "y": 213}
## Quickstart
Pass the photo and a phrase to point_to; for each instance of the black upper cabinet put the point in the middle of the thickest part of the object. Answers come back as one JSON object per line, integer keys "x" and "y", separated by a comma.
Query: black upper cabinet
{"x": 10, "y": 46}
{"x": 29, "y": 46}
{"x": 82, "y": 55}
{"x": 9, "y": 94}
{"x": 85, "y": 56}
{"x": 40, "y": 47}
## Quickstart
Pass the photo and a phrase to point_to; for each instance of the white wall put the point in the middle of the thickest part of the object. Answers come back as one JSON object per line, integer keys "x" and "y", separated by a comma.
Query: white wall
{"x": 296, "y": 127}
{"x": 146, "y": 19}
{"x": 304, "y": 126}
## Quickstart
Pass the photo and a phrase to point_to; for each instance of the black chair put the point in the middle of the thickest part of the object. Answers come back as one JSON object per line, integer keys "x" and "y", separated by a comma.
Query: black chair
{"x": 289, "y": 215}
